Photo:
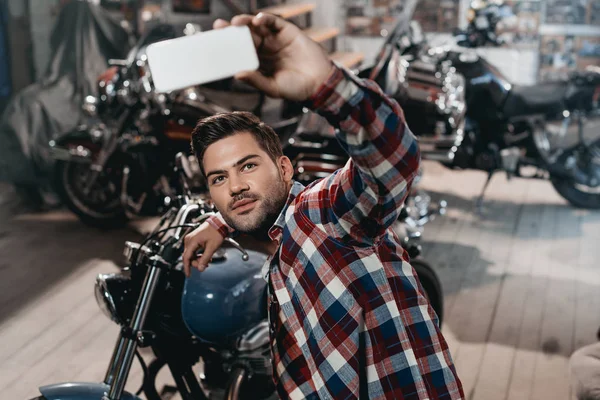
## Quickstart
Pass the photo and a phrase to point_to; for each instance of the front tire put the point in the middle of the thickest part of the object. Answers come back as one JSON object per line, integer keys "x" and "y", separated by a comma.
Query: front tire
{"x": 432, "y": 286}
{"x": 101, "y": 207}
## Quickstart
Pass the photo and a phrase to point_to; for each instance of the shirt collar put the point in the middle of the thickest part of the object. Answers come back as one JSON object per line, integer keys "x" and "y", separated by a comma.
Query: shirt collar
{"x": 277, "y": 228}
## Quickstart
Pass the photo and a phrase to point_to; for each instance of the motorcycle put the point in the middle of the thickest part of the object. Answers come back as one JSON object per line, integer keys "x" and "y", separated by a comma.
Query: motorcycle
{"x": 218, "y": 317}
{"x": 483, "y": 18}
{"x": 468, "y": 115}
{"x": 120, "y": 164}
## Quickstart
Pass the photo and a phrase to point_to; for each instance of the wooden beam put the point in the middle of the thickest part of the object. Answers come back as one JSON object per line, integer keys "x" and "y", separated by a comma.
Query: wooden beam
{"x": 288, "y": 11}
{"x": 321, "y": 35}
{"x": 347, "y": 59}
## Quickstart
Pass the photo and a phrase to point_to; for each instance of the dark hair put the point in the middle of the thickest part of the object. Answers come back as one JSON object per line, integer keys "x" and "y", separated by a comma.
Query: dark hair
{"x": 214, "y": 128}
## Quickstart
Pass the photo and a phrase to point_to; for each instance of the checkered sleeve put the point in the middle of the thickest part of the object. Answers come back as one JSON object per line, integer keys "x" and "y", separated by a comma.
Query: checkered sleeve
{"x": 217, "y": 222}
{"x": 366, "y": 195}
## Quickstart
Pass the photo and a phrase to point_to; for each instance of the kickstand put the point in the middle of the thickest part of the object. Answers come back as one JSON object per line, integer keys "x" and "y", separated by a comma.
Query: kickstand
{"x": 479, "y": 201}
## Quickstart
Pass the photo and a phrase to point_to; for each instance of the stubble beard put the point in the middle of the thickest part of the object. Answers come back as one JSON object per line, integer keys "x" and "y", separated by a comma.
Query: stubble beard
{"x": 259, "y": 220}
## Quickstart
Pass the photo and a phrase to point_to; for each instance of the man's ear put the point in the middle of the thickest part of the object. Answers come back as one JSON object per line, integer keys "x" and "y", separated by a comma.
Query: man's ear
{"x": 286, "y": 168}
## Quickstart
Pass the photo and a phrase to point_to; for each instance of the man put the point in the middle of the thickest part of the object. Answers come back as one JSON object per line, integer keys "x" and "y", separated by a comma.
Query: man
{"x": 348, "y": 316}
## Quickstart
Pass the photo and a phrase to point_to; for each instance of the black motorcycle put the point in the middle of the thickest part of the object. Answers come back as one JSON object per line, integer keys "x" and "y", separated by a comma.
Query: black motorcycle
{"x": 217, "y": 317}
{"x": 552, "y": 127}
{"x": 468, "y": 115}
{"x": 120, "y": 164}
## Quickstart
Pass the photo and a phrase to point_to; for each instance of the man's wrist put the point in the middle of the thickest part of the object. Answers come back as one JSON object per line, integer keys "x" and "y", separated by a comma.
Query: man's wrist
{"x": 325, "y": 95}
{"x": 326, "y": 74}
{"x": 218, "y": 223}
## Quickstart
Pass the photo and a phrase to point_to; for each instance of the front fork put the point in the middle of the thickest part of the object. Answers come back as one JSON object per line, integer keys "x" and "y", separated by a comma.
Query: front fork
{"x": 107, "y": 150}
{"x": 126, "y": 346}
{"x": 99, "y": 163}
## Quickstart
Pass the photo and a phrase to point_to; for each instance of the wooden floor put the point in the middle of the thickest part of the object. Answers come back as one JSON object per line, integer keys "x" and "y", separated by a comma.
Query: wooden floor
{"x": 521, "y": 283}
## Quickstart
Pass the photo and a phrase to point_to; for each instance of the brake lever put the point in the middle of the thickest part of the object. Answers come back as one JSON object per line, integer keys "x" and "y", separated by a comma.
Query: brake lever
{"x": 234, "y": 244}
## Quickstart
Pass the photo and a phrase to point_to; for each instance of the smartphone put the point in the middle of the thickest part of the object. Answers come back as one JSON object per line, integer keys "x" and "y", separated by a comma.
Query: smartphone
{"x": 201, "y": 58}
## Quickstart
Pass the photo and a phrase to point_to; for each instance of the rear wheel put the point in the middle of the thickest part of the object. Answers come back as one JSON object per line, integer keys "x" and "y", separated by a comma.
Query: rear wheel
{"x": 580, "y": 196}
{"x": 432, "y": 286}
{"x": 99, "y": 204}
{"x": 578, "y": 179}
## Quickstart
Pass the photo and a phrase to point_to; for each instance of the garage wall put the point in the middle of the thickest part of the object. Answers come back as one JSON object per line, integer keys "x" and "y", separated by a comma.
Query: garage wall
{"x": 20, "y": 44}
{"x": 42, "y": 14}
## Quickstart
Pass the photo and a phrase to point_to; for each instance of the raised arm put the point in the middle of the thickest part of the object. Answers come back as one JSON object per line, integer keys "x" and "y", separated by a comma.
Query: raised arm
{"x": 366, "y": 195}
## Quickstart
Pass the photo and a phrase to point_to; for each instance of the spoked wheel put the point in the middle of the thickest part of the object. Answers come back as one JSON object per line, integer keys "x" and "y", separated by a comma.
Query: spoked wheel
{"x": 95, "y": 201}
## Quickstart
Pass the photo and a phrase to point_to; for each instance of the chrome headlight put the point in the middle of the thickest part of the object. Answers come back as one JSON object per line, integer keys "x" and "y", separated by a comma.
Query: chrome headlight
{"x": 104, "y": 298}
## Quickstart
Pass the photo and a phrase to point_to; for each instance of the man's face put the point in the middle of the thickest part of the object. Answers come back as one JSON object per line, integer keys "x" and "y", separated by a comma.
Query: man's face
{"x": 246, "y": 185}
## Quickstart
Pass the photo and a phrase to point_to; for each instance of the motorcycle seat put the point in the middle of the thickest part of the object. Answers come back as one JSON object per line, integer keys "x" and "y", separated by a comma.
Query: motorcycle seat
{"x": 544, "y": 98}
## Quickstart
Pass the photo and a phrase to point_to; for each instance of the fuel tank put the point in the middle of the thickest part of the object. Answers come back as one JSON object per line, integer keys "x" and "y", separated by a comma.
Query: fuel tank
{"x": 228, "y": 298}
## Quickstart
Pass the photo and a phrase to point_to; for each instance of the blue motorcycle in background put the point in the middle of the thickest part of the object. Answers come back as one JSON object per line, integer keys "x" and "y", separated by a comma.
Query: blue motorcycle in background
{"x": 218, "y": 316}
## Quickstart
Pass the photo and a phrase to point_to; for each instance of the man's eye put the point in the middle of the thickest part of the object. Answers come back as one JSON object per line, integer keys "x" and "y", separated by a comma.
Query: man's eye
{"x": 218, "y": 179}
{"x": 248, "y": 166}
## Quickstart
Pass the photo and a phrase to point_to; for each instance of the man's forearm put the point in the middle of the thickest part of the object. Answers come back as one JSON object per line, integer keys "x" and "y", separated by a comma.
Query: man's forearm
{"x": 364, "y": 114}
{"x": 373, "y": 130}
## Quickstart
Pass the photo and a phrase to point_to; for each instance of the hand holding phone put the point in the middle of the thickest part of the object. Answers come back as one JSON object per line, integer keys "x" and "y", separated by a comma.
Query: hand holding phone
{"x": 292, "y": 66}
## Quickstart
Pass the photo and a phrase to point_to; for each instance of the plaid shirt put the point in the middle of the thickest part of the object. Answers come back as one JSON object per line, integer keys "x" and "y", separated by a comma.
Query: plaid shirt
{"x": 349, "y": 318}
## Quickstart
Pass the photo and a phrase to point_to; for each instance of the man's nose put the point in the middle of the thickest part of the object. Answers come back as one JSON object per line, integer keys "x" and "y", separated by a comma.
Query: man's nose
{"x": 237, "y": 185}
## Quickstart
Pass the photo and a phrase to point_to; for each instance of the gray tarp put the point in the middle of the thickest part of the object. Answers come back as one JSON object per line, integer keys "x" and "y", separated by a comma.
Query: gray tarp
{"x": 82, "y": 41}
